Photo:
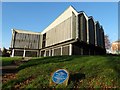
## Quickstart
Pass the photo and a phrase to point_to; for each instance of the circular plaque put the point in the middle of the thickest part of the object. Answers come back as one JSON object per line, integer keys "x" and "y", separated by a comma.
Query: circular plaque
{"x": 59, "y": 76}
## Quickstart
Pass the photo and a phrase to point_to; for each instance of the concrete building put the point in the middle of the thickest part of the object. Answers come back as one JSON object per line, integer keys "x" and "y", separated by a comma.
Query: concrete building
{"x": 115, "y": 48}
{"x": 25, "y": 43}
{"x": 72, "y": 33}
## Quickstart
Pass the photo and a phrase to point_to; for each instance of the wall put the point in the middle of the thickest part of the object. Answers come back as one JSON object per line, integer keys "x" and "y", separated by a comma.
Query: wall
{"x": 91, "y": 31}
{"x": 82, "y": 26}
{"x": 56, "y": 51}
{"x": 23, "y": 40}
{"x": 97, "y": 34}
{"x": 60, "y": 33}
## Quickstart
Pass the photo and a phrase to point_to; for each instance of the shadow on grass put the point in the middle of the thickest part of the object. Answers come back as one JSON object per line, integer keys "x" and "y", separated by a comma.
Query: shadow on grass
{"x": 45, "y": 60}
{"x": 76, "y": 77}
{"x": 53, "y": 59}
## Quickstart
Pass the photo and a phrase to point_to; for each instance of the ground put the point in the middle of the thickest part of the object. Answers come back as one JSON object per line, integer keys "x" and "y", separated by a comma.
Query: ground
{"x": 85, "y": 72}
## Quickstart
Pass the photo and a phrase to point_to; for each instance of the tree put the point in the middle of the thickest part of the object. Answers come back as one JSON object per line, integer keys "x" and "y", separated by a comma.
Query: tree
{"x": 107, "y": 42}
{"x": 4, "y": 52}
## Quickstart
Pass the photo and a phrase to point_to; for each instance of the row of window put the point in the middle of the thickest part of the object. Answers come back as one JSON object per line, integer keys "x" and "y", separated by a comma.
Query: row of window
{"x": 56, "y": 52}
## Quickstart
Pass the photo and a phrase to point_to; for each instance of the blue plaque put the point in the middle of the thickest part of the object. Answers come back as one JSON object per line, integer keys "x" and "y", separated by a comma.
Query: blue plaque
{"x": 60, "y": 76}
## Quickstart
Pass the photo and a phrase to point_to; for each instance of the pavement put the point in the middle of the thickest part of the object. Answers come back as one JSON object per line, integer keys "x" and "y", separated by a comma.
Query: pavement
{"x": 11, "y": 69}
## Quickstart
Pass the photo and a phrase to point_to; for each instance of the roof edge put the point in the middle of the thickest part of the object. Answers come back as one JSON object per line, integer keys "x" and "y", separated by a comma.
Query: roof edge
{"x": 52, "y": 24}
{"x": 24, "y": 31}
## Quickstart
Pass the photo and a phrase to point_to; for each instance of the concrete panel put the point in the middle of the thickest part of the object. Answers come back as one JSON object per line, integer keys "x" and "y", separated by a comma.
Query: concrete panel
{"x": 82, "y": 28}
{"x": 73, "y": 26}
{"x": 60, "y": 33}
{"x": 97, "y": 29}
{"x": 91, "y": 31}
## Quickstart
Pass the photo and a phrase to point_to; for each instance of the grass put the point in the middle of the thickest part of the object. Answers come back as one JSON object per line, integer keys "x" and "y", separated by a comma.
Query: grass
{"x": 85, "y": 72}
{"x": 9, "y": 60}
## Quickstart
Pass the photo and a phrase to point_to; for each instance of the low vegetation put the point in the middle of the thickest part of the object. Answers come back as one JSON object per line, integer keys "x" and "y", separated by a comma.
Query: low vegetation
{"x": 85, "y": 72}
{"x": 9, "y": 60}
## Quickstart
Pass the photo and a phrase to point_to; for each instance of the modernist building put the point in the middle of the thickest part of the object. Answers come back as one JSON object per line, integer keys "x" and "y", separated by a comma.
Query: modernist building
{"x": 72, "y": 33}
{"x": 25, "y": 43}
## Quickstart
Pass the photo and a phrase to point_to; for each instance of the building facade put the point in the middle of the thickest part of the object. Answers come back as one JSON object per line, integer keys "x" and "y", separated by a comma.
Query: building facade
{"x": 72, "y": 33}
{"x": 25, "y": 43}
{"x": 115, "y": 48}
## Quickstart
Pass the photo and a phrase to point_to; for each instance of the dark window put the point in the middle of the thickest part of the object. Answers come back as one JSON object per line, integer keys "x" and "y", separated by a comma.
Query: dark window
{"x": 42, "y": 53}
{"x": 57, "y": 51}
{"x": 47, "y": 53}
{"x": 51, "y": 53}
{"x": 31, "y": 54}
{"x": 44, "y": 40}
{"x": 65, "y": 50}
{"x": 18, "y": 53}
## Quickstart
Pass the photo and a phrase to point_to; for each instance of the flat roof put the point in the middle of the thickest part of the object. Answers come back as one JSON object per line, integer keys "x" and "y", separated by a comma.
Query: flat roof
{"x": 25, "y": 31}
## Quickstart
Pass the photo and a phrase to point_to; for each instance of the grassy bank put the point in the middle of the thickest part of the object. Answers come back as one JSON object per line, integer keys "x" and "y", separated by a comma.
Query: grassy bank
{"x": 85, "y": 72}
{"x": 9, "y": 60}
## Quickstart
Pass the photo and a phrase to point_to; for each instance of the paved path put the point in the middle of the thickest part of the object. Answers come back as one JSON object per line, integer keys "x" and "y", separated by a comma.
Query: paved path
{"x": 9, "y": 69}
{"x": 9, "y": 72}
{"x": 13, "y": 67}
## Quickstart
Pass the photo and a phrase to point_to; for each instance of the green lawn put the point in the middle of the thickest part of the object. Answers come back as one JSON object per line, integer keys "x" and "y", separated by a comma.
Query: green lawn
{"x": 98, "y": 72}
{"x": 9, "y": 60}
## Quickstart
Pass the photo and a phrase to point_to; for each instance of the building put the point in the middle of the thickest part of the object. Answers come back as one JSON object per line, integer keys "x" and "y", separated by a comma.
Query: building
{"x": 72, "y": 33}
{"x": 25, "y": 43}
{"x": 115, "y": 48}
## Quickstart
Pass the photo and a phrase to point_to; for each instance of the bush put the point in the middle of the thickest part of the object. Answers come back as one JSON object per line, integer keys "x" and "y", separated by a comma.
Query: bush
{"x": 5, "y": 52}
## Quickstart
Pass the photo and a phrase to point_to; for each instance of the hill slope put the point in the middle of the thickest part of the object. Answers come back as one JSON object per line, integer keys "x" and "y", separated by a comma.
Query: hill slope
{"x": 85, "y": 72}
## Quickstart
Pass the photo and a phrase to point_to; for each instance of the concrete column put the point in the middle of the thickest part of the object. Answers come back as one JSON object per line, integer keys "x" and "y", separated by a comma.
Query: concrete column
{"x": 87, "y": 32}
{"x": 53, "y": 52}
{"x": 12, "y": 53}
{"x": 24, "y": 53}
{"x": 71, "y": 28}
{"x": 70, "y": 49}
{"x": 77, "y": 30}
{"x": 61, "y": 50}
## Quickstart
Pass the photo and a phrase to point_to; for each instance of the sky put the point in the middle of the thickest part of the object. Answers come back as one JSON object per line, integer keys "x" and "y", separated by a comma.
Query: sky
{"x": 36, "y": 16}
{"x": 119, "y": 20}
